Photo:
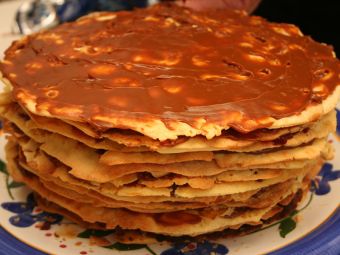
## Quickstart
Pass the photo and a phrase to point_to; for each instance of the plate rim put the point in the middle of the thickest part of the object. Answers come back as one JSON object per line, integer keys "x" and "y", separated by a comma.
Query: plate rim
{"x": 309, "y": 242}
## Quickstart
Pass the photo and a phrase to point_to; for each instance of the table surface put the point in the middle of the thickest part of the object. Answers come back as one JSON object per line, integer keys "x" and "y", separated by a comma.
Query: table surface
{"x": 7, "y": 13}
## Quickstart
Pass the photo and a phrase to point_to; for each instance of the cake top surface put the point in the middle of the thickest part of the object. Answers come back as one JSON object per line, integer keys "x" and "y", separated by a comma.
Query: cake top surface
{"x": 179, "y": 71}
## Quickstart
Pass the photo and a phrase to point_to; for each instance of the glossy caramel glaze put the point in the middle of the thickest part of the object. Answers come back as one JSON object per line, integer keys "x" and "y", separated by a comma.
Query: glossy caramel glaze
{"x": 170, "y": 63}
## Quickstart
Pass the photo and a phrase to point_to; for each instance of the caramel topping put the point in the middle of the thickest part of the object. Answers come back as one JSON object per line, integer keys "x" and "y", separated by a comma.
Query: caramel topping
{"x": 177, "y": 218}
{"x": 170, "y": 63}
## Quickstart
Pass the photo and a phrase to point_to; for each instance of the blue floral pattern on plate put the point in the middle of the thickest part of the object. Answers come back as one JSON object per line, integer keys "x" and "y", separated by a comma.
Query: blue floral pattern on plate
{"x": 338, "y": 121}
{"x": 24, "y": 213}
{"x": 201, "y": 248}
{"x": 320, "y": 185}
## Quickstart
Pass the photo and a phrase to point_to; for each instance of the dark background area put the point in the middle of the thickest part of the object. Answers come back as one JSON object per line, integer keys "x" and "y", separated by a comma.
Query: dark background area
{"x": 319, "y": 19}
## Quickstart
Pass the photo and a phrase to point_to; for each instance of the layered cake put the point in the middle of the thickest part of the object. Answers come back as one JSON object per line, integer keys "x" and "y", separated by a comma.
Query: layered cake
{"x": 163, "y": 122}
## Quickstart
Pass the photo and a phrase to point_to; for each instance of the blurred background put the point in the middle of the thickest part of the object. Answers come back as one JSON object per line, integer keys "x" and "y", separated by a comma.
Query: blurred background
{"x": 319, "y": 19}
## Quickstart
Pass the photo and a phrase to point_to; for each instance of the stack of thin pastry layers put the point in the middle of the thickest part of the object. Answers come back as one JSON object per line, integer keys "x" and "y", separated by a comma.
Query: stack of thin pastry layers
{"x": 159, "y": 173}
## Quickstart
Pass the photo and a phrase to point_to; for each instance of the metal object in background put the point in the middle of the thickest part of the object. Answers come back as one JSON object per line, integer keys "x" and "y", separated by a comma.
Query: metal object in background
{"x": 34, "y": 15}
